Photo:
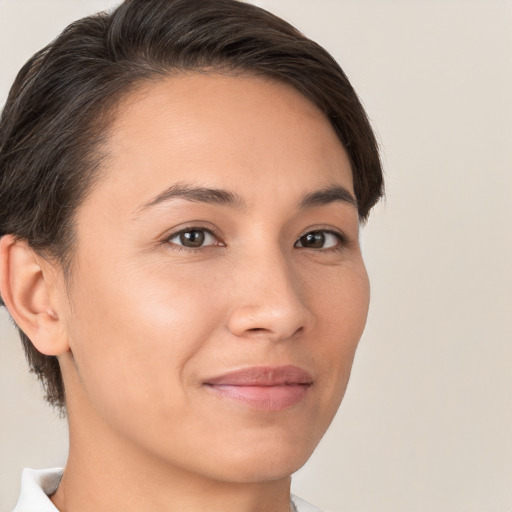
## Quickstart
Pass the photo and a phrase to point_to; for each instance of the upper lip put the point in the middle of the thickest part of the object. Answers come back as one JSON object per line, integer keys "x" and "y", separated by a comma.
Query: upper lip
{"x": 263, "y": 376}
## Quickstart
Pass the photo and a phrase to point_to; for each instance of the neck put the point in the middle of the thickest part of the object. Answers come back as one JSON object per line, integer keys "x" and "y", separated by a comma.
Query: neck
{"x": 108, "y": 473}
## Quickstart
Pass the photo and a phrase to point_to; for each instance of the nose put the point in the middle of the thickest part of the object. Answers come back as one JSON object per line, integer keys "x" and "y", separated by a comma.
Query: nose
{"x": 270, "y": 303}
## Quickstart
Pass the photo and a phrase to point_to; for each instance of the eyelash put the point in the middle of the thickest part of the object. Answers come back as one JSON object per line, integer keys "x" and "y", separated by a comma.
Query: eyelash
{"x": 342, "y": 240}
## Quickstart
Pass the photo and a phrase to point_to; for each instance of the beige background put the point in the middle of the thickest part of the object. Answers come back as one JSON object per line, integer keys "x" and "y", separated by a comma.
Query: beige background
{"x": 427, "y": 422}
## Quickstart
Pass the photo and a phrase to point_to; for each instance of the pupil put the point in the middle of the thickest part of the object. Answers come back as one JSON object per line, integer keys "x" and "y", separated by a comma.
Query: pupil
{"x": 315, "y": 239}
{"x": 192, "y": 238}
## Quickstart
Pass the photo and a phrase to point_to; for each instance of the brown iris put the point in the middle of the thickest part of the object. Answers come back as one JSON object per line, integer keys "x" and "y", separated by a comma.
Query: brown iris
{"x": 314, "y": 240}
{"x": 193, "y": 238}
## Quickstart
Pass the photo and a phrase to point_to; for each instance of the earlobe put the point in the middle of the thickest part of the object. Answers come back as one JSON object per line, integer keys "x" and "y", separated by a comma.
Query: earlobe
{"x": 26, "y": 286}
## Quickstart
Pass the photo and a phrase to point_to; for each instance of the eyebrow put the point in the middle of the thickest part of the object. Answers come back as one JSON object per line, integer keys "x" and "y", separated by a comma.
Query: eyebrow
{"x": 208, "y": 195}
{"x": 328, "y": 195}
{"x": 197, "y": 195}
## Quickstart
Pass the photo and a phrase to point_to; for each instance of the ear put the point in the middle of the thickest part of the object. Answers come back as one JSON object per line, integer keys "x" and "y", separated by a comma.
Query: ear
{"x": 27, "y": 285}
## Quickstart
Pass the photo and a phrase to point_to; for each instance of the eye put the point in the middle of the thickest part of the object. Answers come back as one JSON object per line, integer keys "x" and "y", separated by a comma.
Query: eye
{"x": 319, "y": 240}
{"x": 193, "y": 238}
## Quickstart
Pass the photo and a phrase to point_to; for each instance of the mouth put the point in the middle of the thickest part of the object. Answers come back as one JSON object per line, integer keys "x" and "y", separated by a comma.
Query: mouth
{"x": 262, "y": 387}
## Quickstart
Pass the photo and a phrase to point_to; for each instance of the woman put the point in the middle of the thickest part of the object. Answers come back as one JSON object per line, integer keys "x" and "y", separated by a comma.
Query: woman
{"x": 182, "y": 187}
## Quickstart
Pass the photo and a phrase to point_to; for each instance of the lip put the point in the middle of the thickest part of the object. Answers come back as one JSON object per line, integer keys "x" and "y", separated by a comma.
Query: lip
{"x": 263, "y": 387}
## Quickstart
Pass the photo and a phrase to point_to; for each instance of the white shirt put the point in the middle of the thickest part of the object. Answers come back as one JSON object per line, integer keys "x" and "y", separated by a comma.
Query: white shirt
{"x": 38, "y": 484}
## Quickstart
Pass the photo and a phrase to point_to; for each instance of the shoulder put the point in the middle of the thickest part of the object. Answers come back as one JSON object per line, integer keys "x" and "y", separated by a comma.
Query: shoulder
{"x": 36, "y": 486}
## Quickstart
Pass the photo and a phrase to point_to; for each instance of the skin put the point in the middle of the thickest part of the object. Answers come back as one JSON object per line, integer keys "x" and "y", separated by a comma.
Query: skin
{"x": 146, "y": 321}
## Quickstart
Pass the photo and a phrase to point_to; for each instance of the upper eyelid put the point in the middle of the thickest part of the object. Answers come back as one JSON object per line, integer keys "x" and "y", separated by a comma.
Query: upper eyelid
{"x": 338, "y": 233}
{"x": 342, "y": 238}
{"x": 210, "y": 230}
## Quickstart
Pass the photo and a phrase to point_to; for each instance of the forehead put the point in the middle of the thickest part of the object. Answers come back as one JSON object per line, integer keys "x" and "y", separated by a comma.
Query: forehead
{"x": 222, "y": 131}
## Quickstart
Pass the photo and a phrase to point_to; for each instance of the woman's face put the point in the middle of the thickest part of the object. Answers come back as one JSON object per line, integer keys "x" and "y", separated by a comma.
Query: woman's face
{"x": 219, "y": 291}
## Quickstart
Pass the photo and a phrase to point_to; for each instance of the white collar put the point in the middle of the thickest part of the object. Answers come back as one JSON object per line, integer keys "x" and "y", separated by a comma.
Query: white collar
{"x": 38, "y": 484}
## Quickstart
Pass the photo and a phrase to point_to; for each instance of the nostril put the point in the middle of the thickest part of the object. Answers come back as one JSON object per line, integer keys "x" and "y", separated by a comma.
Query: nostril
{"x": 262, "y": 330}
{"x": 258, "y": 330}
{"x": 267, "y": 320}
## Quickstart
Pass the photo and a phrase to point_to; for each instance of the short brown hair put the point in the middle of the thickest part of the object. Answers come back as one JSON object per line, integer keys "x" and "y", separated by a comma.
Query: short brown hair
{"x": 62, "y": 100}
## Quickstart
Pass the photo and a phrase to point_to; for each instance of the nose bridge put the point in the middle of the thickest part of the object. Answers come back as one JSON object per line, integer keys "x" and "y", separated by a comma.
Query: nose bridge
{"x": 271, "y": 302}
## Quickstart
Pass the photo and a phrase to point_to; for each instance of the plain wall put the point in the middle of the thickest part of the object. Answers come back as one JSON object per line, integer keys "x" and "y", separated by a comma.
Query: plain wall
{"x": 426, "y": 424}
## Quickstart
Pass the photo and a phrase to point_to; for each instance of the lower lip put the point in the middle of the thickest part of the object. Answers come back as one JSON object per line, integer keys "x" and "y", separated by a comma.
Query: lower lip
{"x": 266, "y": 398}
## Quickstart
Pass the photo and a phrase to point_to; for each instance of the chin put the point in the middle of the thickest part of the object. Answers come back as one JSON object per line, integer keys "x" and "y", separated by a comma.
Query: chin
{"x": 259, "y": 471}
{"x": 264, "y": 462}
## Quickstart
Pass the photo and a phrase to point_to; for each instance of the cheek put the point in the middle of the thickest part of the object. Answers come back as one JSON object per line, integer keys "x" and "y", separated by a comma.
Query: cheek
{"x": 342, "y": 312}
{"x": 137, "y": 331}
{"x": 340, "y": 299}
